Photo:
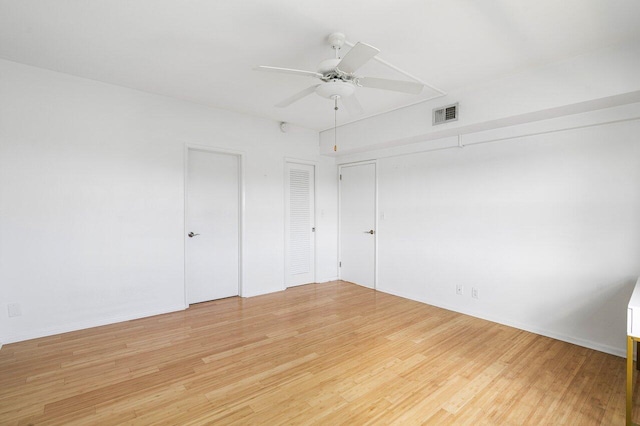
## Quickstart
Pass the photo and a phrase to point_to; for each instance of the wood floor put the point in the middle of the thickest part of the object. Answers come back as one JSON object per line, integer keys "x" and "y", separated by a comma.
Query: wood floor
{"x": 327, "y": 354}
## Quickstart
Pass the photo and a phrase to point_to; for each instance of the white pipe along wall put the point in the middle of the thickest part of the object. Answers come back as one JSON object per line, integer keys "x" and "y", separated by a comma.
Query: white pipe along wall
{"x": 595, "y": 80}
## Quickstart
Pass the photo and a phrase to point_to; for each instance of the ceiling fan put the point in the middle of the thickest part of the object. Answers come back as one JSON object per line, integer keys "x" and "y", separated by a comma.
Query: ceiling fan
{"x": 338, "y": 80}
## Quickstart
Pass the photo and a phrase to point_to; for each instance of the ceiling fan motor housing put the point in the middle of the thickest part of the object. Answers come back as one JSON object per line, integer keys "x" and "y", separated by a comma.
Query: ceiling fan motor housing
{"x": 328, "y": 66}
{"x": 335, "y": 83}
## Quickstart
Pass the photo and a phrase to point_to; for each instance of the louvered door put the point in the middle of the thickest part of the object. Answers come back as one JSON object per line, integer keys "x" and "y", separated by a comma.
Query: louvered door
{"x": 300, "y": 224}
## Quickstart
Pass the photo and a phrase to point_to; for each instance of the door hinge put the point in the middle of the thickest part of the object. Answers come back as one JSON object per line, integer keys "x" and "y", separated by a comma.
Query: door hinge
{"x": 340, "y": 176}
{"x": 313, "y": 229}
{"x": 339, "y": 264}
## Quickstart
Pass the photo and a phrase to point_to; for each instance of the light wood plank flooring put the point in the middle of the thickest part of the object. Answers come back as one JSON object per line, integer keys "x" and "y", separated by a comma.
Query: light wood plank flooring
{"x": 329, "y": 354}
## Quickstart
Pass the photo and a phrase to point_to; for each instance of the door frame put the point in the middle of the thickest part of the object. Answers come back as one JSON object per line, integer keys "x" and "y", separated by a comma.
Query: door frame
{"x": 288, "y": 160}
{"x": 375, "y": 216}
{"x": 241, "y": 210}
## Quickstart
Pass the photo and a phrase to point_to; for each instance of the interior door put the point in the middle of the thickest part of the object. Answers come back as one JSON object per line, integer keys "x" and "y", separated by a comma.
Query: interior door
{"x": 358, "y": 223}
{"x": 212, "y": 217}
{"x": 300, "y": 224}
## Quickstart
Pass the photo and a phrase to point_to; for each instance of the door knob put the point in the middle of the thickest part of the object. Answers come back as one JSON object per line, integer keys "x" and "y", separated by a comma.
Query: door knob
{"x": 191, "y": 234}
{"x": 371, "y": 231}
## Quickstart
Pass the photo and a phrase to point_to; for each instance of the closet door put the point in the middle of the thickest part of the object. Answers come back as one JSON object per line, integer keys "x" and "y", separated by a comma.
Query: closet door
{"x": 300, "y": 224}
{"x": 358, "y": 224}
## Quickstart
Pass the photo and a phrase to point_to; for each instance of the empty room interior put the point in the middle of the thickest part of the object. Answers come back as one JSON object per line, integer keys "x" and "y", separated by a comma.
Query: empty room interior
{"x": 292, "y": 212}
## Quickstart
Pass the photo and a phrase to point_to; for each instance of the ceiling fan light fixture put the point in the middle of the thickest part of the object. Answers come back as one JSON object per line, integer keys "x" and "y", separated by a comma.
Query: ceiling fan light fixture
{"x": 338, "y": 88}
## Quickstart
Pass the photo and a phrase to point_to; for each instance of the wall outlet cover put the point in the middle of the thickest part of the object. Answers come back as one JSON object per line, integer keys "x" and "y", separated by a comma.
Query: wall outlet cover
{"x": 14, "y": 310}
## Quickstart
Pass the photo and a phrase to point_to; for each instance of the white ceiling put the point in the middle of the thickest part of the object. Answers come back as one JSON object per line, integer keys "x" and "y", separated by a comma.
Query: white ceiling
{"x": 205, "y": 50}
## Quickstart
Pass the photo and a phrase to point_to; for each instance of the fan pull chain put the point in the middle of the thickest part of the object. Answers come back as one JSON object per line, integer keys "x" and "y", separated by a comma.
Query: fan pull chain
{"x": 335, "y": 125}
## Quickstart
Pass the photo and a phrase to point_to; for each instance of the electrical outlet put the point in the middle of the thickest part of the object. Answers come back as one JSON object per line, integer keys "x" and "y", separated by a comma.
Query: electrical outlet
{"x": 459, "y": 289}
{"x": 14, "y": 310}
{"x": 474, "y": 293}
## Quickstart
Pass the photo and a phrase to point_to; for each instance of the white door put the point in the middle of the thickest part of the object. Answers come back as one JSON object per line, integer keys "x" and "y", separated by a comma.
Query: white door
{"x": 212, "y": 240}
{"x": 358, "y": 224}
{"x": 300, "y": 224}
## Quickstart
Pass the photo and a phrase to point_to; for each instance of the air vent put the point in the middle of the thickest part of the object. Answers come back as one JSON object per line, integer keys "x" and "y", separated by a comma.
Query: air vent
{"x": 445, "y": 114}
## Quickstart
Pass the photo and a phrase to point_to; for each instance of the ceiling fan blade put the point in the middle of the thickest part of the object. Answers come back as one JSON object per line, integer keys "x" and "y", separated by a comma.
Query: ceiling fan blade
{"x": 359, "y": 55}
{"x": 395, "y": 85}
{"x": 297, "y": 97}
{"x": 288, "y": 71}
{"x": 352, "y": 105}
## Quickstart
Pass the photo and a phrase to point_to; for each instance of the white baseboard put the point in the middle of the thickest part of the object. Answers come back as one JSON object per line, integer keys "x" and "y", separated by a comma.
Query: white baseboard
{"x": 621, "y": 352}
{"x": 81, "y": 325}
{"x": 34, "y": 334}
{"x": 327, "y": 280}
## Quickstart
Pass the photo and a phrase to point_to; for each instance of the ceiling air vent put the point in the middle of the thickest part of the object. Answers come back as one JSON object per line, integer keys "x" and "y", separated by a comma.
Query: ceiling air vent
{"x": 445, "y": 114}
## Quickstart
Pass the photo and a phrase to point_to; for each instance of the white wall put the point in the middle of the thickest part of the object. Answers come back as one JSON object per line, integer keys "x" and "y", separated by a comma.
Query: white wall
{"x": 92, "y": 198}
{"x": 545, "y": 226}
{"x": 543, "y": 221}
